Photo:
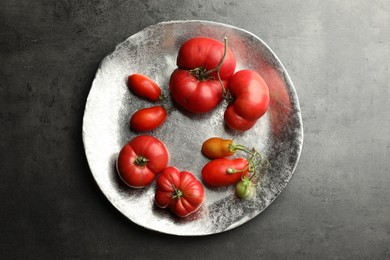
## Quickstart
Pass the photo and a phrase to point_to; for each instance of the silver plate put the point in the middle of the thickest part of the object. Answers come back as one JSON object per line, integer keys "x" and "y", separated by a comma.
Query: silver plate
{"x": 152, "y": 51}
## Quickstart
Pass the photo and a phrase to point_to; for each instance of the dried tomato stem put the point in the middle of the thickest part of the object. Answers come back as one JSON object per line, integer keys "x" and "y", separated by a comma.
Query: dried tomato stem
{"x": 216, "y": 69}
{"x": 201, "y": 73}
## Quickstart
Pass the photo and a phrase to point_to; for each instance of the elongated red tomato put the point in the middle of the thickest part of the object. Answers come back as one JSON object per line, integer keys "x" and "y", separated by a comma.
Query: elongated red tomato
{"x": 179, "y": 191}
{"x": 216, "y": 147}
{"x": 250, "y": 100}
{"x": 144, "y": 86}
{"x": 147, "y": 119}
{"x": 141, "y": 159}
{"x": 225, "y": 171}
{"x": 194, "y": 85}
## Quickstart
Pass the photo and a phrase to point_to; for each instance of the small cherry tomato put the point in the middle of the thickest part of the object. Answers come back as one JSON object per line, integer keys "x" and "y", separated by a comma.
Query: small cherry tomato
{"x": 144, "y": 86}
{"x": 225, "y": 171}
{"x": 216, "y": 147}
{"x": 147, "y": 119}
{"x": 179, "y": 191}
{"x": 141, "y": 159}
{"x": 244, "y": 188}
{"x": 250, "y": 100}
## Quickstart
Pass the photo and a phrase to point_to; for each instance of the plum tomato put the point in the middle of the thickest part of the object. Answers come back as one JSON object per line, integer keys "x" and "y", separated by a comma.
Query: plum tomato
{"x": 144, "y": 86}
{"x": 147, "y": 119}
{"x": 179, "y": 191}
{"x": 225, "y": 171}
{"x": 216, "y": 147}
{"x": 141, "y": 159}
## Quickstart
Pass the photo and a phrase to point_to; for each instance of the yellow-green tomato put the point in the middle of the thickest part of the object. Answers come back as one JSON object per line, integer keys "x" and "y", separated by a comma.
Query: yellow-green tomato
{"x": 244, "y": 188}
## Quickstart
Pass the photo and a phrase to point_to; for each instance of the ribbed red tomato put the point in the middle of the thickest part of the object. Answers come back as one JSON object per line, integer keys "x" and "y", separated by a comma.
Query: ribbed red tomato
{"x": 195, "y": 85}
{"x": 225, "y": 171}
{"x": 250, "y": 100}
{"x": 179, "y": 191}
{"x": 141, "y": 159}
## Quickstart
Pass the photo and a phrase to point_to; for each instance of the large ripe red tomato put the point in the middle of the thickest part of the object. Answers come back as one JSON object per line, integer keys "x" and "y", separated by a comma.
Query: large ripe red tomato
{"x": 194, "y": 85}
{"x": 179, "y": 191}
{"x": 225, "y": 171}
{"x": 141, "y": 159}
{"x": 144, "y": 86}
{"x": 250, "y": 100}
{"x": 147, "y": 119}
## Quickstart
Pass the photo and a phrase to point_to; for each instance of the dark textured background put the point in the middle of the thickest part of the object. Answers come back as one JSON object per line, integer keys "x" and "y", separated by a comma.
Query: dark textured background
{"x": 337, "y": 205}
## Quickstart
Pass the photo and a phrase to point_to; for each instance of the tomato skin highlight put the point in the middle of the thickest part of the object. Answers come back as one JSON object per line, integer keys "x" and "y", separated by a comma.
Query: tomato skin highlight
{"x": 140, "y": 160}
{"x": 250, "y": 100}
{"x": 144, "y": 86}
{"x": 179, "y": 191}
{"x": 215, "y": 172}
{"x": 147, "y": 119}
{"x": 190, "y": 86}
{"x": 216, "y": 147}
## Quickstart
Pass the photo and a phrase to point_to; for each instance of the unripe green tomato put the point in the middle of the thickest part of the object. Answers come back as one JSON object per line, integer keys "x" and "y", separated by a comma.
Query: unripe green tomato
{"x": 244, "y": 189}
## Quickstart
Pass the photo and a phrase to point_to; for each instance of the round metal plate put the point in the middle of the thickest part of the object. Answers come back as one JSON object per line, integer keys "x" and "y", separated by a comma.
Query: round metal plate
{"x": 153, "y": 51}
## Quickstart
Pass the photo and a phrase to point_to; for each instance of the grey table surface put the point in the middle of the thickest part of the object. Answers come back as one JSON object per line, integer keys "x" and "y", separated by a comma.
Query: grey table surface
{"x": 336, "y": 206}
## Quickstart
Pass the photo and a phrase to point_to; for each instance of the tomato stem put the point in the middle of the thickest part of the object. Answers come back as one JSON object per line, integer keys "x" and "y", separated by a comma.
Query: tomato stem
{"x": 141, "y": 161}
{"x": 203, "y": 74}
{"x": 177, "y": 194}
{"x": 255, "y": 161}
{"x": 233, "y": 171}
{"x": 216, "y": 69}
{"x": 258, "y": 163}
{"x": 237, "y": 147}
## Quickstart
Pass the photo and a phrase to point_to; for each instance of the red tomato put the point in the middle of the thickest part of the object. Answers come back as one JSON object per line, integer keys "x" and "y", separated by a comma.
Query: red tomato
{"x": 145, "y": 87}
{"x": 217, "y": 147}
{"x": 141, "y": 159}
{"x": 195, "y": 96}
{"x": 224, "y": 171}
{"x": 147, "y": 119}
{"x": 250, "y": 100}
{"x": 179, "y": 191}
{"x": 194, "y": 85}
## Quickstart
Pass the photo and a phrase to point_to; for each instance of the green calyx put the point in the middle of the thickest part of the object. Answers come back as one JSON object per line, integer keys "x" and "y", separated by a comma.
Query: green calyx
{"x": 201, "y": 74}
{"x": 177, "y": 194}
{"x": 141, "y": 161}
